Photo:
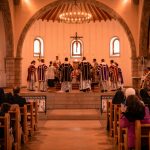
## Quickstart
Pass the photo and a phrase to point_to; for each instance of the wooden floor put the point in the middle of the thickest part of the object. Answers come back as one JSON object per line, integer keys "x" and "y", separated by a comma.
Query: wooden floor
{"x": 71, "y": 134}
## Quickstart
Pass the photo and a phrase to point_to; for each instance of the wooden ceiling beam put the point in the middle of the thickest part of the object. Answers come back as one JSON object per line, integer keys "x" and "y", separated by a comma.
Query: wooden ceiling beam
{"x": 53, "y": 16}
{"x": 97, "y": 13}
{"x": 61, "y": 7}
{"x": 108, "y": 16}
{"x": 61, "y": 10}
{"x": 103, "y": 15}
{"x": 48, "y": 17}
{"x": 92, "y": 12}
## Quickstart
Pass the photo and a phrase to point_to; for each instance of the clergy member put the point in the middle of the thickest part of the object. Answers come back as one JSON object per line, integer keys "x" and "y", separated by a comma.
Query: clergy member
{"x": 113, "y": 73}
{"x": 94, "y": 71}
{"x": 65, "y": 70}
{"x": 41, "y": 71}
{"x": 103, "y": 72}
{"x": 85, "y": 76}
{"x": 31, "y": 78}
{"x": 120, "y": 76}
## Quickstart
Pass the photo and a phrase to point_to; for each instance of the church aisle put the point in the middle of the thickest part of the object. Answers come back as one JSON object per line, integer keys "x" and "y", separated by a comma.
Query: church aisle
{"x": 70, "y": 135}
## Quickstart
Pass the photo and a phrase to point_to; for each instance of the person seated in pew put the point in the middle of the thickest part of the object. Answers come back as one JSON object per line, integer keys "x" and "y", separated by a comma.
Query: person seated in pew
{"x": 2, "y": 96}
{"x": 134, "y": 109}
{"x": 17, "y": 99}
{"x": 5, "y": 107}
{"x": 9, "y": 98}
{"x": 119, "y": 97}
{"x": 145, "y": 96}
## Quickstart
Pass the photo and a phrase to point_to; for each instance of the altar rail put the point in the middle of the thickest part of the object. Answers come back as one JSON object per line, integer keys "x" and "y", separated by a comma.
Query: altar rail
{"x": 103, "y": 102}
{"x": 41, "y": 102}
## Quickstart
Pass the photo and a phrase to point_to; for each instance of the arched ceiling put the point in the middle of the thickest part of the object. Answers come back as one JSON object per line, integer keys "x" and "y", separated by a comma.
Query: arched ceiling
{"x": 64, "y": 6}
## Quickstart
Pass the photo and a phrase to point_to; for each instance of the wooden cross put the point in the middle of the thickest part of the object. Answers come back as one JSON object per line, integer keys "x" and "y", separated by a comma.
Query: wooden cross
{"x": 76, "y": 37}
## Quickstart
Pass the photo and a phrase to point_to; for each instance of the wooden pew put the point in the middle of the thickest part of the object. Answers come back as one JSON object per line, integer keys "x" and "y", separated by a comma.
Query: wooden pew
{"x": 122, "y": 134}
{"x": 15, "y": 119}
{"x": 5, "y": 126}
{"x": 35, "y": 114}
{"x": 23, "y": 112}
{"x": 142, "y": 134}
{"x": 116, "y": 121}
{"x": 110, "y": 117}
{"x": 30, "y": 118}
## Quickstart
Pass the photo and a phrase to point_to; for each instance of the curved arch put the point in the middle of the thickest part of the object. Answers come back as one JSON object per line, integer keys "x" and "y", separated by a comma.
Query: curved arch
{"x": 99, "y": 4}
{"x": 8, "y": 25}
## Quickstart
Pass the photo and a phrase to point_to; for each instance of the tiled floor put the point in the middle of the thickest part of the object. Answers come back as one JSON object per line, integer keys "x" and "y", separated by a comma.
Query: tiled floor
{"x": 70, "y": 135}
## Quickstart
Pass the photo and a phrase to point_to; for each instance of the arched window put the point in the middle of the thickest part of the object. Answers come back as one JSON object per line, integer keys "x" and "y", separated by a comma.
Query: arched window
{"x": 38, "y": 47}
{"x": 115, "y": 46}
{"x": 76, "y": 48}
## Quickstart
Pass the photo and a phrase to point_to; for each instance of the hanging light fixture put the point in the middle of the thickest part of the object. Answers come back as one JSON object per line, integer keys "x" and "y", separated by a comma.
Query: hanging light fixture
{"x": 75, "y": 14}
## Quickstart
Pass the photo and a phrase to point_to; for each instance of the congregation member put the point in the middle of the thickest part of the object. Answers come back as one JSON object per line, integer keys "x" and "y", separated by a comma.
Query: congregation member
{"x": 145, "y": 96}
{"x": 17, "y": 99}
{"x": 119, "y": 97}
{"x": 2, "y": 96}
{"x": 85, "y": 75}
{"x": 51, "y": 75}
{"x": 120, "y": 76}
{"x": 103, "y": 72}
{"x": 31, "y": 78}
{"x": 113, "y": 73}
{"x": 66, "y": 70}
{"x": 133, "y": 110}
{"x": 94, "y": 71}
{"x": 41, "y": 71}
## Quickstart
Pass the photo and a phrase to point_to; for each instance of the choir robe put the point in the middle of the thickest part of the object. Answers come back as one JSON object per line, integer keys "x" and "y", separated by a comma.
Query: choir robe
{"x": 120, "y": 76}
{"x": 85, "y": 68}
{"x": 103, "y": 72}
{"x": 113, "y": 73}
{"x": 94, "y": 73}
{"x": 85, "y": 77}
{"x": 31, "y": 73}
{"x": 31, "y": 78}
{"x": 41, "y": 71}
{"x": 66, "y": 70}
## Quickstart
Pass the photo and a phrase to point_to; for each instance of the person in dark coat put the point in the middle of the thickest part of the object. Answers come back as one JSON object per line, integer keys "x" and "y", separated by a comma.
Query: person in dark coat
{"x": 145, "y": 96}
{"x": 17, "y": 99}
{"x": 66, "y": 69}
{"x": 2, "y": 96}
{"x": 85, "y": 76}
{"x": 119, "y": 97}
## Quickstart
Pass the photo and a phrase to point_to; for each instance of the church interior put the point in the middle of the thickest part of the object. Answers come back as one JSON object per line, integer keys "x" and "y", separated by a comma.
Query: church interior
{"x": 38, "y": 36}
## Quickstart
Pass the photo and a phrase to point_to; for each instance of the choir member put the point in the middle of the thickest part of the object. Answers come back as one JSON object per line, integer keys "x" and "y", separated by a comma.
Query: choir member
{"x": 113, "y": 73}
{"x": 51, "y": 75}
{"x": 120, "y": 77}
{"x": 94, "y": 71}
{"x": 31, "y": 78}
{"x": 66, "y": 69}
{"x": 41, "y": 71}
{"x": 103, "y": 72}
{"x": 85, "y": 76}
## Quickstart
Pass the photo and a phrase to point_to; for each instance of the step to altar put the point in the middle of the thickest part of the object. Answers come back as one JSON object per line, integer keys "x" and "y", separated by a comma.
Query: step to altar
{"x": 71, "y": 114}
{"x": 73, "y": 101}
